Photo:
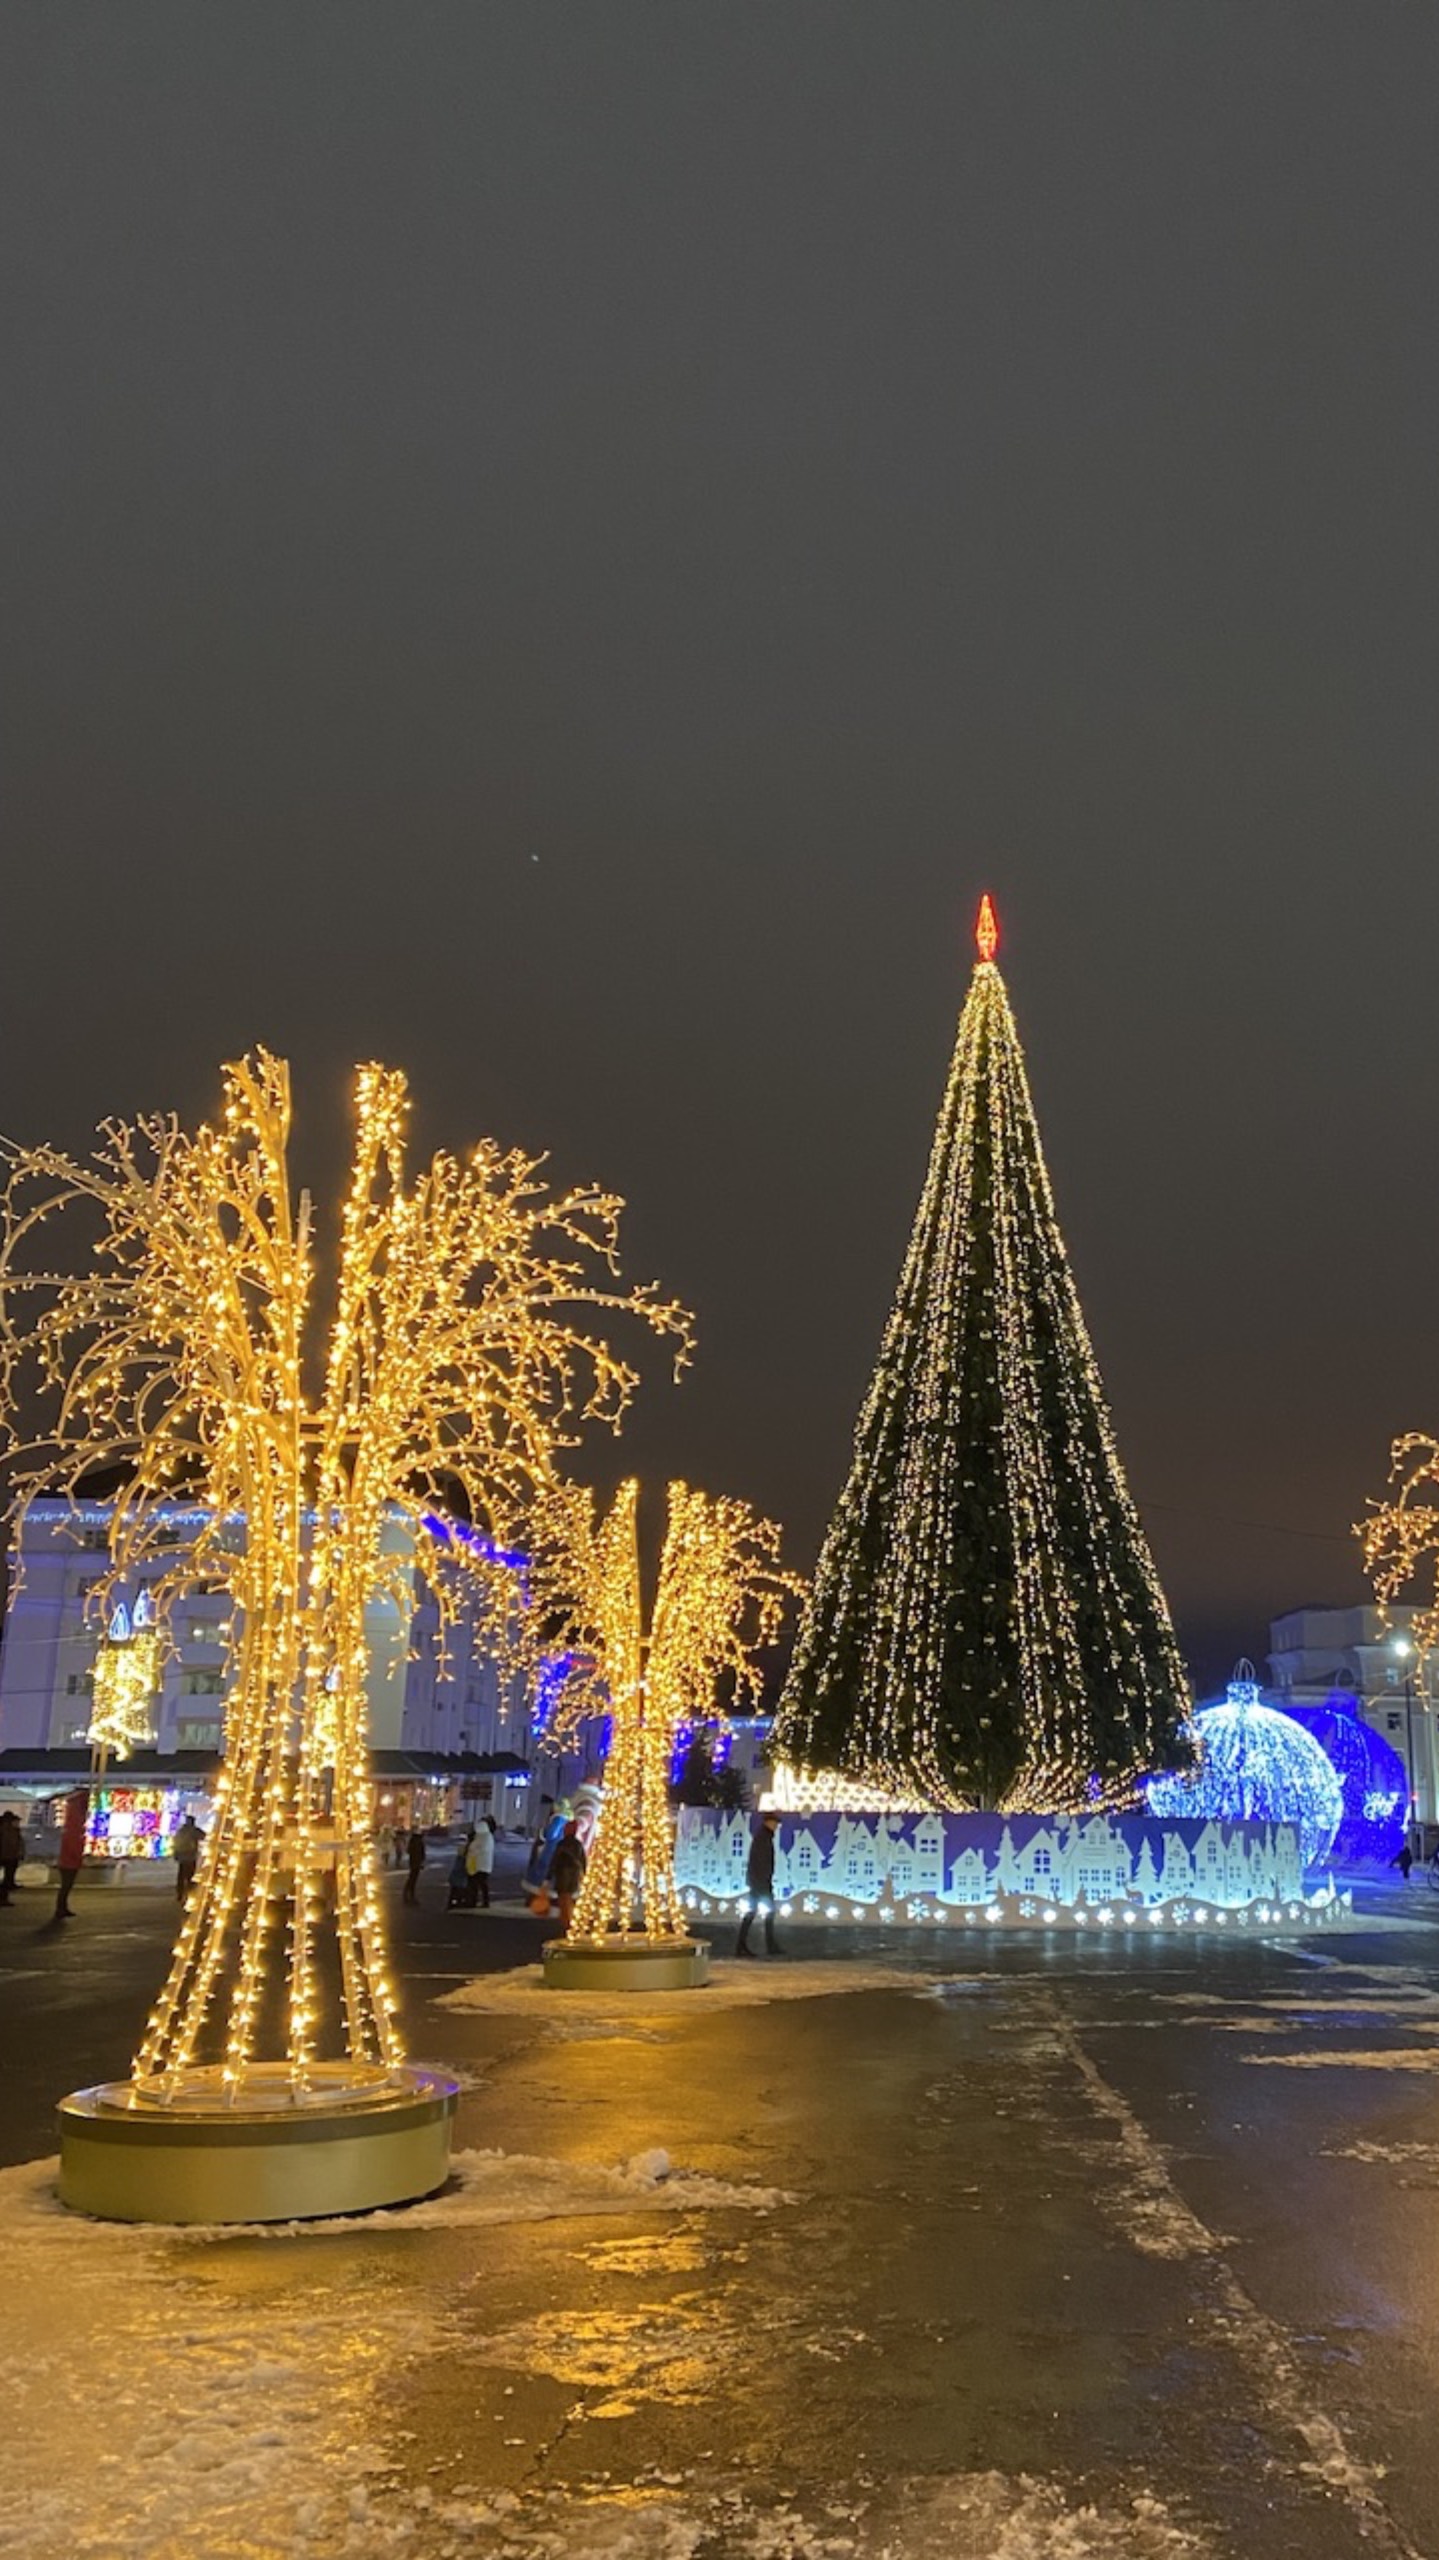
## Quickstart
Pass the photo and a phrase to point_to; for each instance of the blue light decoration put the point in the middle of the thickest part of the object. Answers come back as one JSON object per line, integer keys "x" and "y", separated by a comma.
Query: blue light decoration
{"x": 1257, "y": 1765}
{"x": 1370, "y": 1772}
{"x": 554, "y": 1672}
{"x": 448, "y": 1532}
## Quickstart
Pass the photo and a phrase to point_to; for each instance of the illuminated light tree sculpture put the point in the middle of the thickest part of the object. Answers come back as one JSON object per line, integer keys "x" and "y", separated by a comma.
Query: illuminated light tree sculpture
{"x": 719, "y": 1601}
{"x": 127, "y": 1675}
{"x": 1399, "y": 1539}
{"x": 986, "y": 1627}
{"x": 460, "y": 1359}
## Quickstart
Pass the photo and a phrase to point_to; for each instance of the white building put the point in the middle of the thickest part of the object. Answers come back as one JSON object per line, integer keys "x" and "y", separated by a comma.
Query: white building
{"x": 423, "y": 1697}
{"x": 1369, "y": 1655}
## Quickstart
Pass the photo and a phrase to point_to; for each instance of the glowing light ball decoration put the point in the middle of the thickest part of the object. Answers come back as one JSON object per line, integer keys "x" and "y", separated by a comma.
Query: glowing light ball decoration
{"x": 1256, "y": 1766}
{"x": 1370, "y": 1772}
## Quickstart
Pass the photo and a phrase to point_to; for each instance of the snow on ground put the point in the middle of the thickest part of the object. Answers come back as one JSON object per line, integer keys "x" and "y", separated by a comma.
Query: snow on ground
{"x": 1396, "y": 2058}
{"x": 226, "y": 2395}
{"x": 576, "y": 2014}
{"x": 168, "y": 2392}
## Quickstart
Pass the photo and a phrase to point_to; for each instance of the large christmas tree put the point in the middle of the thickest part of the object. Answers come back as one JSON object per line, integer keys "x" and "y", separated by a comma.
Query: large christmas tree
{"x": 986, "y": 1625}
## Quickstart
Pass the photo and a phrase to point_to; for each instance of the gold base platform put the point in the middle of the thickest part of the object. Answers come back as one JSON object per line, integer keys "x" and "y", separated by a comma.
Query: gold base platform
{"x": 339, "y": 2147}
{"x": 626, "y": 1964}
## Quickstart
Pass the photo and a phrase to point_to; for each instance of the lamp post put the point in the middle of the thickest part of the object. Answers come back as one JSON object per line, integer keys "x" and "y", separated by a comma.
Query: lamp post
{"x": 1402, "y": 1649}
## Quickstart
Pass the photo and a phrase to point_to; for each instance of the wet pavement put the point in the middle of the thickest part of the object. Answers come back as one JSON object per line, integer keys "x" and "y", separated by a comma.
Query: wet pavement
{"x": 1001, "y": 2250}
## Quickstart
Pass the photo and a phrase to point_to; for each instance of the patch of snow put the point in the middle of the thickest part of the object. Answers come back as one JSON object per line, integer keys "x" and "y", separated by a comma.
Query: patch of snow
{"x": 753, "y": 1985}
{"x": 1401, "y": 2059}
{"x": 1386, "y": 2154}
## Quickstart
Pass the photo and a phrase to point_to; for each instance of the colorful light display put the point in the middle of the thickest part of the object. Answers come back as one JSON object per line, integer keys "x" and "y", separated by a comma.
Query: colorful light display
{"x": 986, "y": 1626}
{"x": 1256, "y": 1765}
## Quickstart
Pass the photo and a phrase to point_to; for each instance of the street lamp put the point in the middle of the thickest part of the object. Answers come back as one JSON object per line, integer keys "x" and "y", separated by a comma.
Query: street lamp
{"x": 1402, "y": 1649}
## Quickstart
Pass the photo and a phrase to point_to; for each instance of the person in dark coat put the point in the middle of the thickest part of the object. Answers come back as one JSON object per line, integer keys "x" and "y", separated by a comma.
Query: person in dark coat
{"x": 567, "y": 1873}
{"x": 12, "y": 1851}
{"x": 416, "y": 1855}
{"x": 185, "y": 1849}
{"x": 71, "y": 1855}
{"x": 759, "y": 1877}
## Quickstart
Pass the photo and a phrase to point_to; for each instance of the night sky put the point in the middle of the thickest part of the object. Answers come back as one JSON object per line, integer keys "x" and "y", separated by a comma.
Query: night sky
{"x": 563, "y": 546}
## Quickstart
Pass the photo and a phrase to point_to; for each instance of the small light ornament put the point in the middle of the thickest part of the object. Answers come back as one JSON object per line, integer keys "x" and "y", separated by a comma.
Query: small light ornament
{"x": 127, "y": 1673}
{"x": 1256, "y": 1765}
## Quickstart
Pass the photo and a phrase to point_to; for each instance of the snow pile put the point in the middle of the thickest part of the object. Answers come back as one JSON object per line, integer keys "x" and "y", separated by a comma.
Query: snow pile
{"x": 977, "y": 2516}
{"x": 485, "y": 2186}
{"x": 523, "y": 1994}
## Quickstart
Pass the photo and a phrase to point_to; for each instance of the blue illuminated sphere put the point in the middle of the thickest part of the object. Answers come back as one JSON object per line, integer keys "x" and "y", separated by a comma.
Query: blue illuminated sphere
{"x": 1256, "y": 1766}
{"x": 1370, "y": 1773}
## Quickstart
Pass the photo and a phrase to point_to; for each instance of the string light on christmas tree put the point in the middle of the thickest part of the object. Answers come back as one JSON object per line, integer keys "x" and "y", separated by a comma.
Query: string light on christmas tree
{"x": 462, "y": 1357}
{"x": 1255, "y": 1765}
{"x": 986, "y": 1627}
{"x": 719, "y": 1601}
{"x": 127, "y": 1675}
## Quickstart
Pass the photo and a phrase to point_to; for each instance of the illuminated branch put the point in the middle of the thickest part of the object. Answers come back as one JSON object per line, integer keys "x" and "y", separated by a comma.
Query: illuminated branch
{"x": 1401, "y": 1534}
{"x": 461, "y": 1354}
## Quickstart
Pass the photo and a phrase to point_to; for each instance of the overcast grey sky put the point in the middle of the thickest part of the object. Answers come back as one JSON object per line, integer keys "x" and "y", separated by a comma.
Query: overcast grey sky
{"x": 563, "y": 546}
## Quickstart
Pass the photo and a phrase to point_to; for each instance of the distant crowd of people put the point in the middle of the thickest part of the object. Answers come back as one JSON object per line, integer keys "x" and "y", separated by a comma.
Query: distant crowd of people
{"x": 554, "y": 1873}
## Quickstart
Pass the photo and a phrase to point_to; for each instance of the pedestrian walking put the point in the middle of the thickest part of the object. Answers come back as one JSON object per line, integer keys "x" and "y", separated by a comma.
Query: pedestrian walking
{"x": 385, "y": 1845}
{"x": 1404, "y": 1861}
{"x": 538, "y": 1866}
{"x": 459, "y": 1893}
{"x": 185, "y": 1849}
{"x": 70, "y": 1857}
{"x": 12, "y": 1851}
{"x": 759, "y": 1877}
{"x": 416, "y": 1856}
{"x": 567, "y": 1873}
{"x": 480, "y": 1863}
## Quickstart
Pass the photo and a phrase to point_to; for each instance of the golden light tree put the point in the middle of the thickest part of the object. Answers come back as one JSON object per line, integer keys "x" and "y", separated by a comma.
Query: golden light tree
{"x": 461, "y": 1357}
{"x": 127, "y": 1676}
{"x": 719, "y": 1600}
{"x": 1400, "y": 1535}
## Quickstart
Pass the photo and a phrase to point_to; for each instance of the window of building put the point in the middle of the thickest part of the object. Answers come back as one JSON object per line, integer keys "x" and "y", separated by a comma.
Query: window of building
{"x": 200, "y": 1684}
{"x": 191, "y": 1734}
{"x": 81, "y": 1684}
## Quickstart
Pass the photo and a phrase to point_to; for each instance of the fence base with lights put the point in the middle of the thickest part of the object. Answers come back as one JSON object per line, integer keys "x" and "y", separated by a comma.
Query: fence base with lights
{"x": 270, "y": 2156}
{"x": 630, "y": 1963}
{"x": 987, "y": 1870}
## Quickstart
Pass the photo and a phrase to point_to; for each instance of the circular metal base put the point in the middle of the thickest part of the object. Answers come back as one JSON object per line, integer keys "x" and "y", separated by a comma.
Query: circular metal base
{"x": 333, "y": 2150}
{"x": 626, "y": 1964}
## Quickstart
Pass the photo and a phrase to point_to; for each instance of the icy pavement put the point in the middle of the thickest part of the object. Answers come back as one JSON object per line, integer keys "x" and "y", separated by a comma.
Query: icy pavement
{"x": 839, "y": 2259}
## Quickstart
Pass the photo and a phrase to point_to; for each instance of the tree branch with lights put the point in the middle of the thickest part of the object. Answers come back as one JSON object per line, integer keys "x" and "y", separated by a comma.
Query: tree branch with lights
{"x": 1400, "y": 1535}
